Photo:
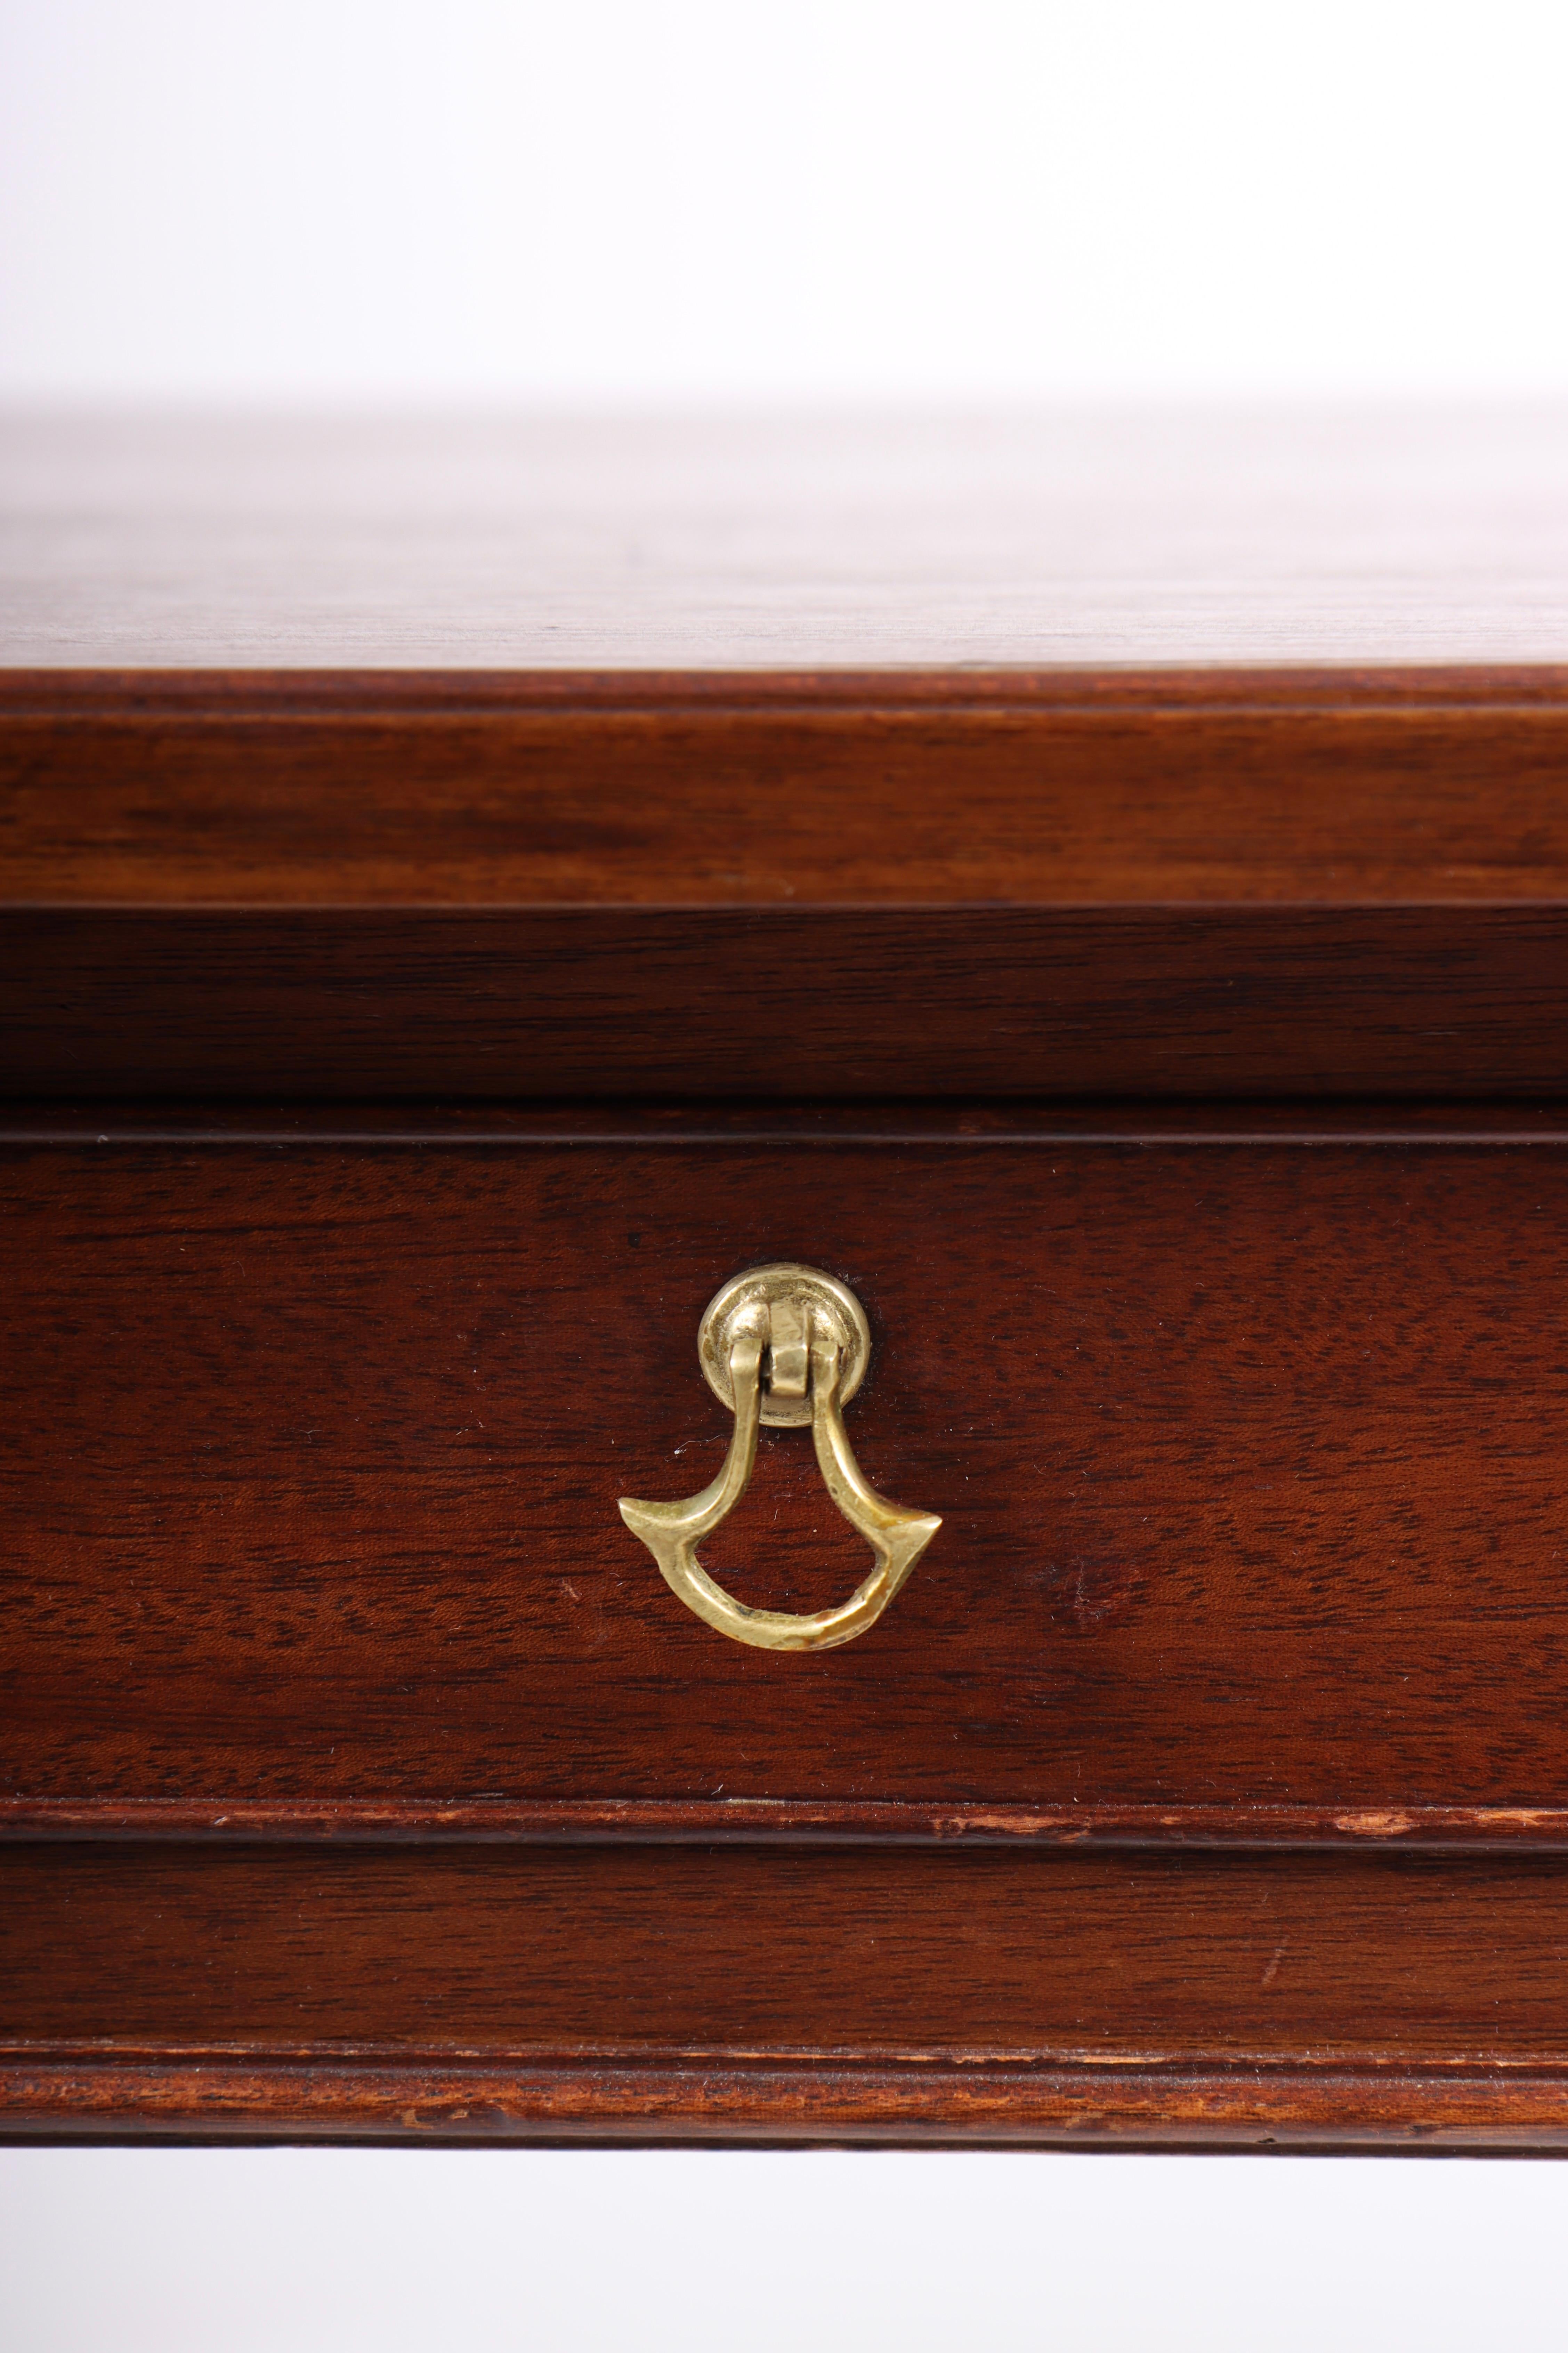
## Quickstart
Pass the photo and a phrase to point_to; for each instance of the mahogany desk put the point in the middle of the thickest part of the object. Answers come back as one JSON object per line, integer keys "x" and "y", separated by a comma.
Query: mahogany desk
{"x": 1098, "y": 891}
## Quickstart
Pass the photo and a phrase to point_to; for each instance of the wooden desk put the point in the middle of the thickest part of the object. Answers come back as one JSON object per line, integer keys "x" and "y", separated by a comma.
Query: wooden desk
{"x": 1098, "y": 889}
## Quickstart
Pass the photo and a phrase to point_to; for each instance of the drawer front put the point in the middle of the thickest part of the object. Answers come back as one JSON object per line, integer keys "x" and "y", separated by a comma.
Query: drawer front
{"x": 362, "y": 1774}
{"x": 1251, "y": 1462}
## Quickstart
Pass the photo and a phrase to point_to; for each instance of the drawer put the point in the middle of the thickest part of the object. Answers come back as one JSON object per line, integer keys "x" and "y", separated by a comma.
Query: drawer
{"x": 1250, "y": 1456}
{"x": 1219, "y": 1725}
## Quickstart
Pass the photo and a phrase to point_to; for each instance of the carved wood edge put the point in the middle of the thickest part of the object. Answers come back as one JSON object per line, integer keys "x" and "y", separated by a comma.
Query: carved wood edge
{"x": 360, "y": 1821}
{"x": 100, "y": 693}
{"x": 52, "y": 2093}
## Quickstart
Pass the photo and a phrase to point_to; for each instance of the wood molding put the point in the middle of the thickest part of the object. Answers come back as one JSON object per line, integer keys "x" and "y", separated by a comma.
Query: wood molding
{"x": 1242, "y": 1827}
{"x": 1196, "y": 788}
{"x": 89, "y": 2094}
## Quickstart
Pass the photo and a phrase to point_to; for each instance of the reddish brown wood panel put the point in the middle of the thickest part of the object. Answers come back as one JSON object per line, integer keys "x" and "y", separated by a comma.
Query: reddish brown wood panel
{"x": 777, "y": 1993}
{"x": 782, "y": 1003}
{"x": 1251, "y": 1461}
{"x": 899, "y": 789}
{"x": 629, "y": 1951}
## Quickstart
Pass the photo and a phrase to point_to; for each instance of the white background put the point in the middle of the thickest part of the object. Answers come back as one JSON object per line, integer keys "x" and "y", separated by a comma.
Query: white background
{"x": 531, "y": 2251}
{"x": 701, "y": 205}
{"x": 696, "y": 200}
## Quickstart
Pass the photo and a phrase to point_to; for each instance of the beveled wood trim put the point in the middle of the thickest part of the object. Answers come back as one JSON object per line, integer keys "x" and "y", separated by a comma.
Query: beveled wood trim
{"x": 67, "y": 693}
{"x": 52, "y": 2093}
{"x": 1358, "y": 787}
{"x": 766, "y": 1821}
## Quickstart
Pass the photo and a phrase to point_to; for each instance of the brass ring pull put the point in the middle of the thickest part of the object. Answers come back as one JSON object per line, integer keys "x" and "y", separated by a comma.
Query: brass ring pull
{"x": 783, "y": 1345}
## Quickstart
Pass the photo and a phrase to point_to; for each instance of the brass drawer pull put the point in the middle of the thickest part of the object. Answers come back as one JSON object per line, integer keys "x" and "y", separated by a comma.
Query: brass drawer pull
{"x": 787, "y": 1346}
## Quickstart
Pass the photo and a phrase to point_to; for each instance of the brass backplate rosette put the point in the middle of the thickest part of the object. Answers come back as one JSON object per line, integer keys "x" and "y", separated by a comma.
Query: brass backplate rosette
{"x": 748, "y": 1300}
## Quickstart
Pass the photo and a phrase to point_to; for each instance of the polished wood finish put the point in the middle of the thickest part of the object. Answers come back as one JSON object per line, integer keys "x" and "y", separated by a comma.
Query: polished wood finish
{"x": 315, "y": 1589}
{"x": 810, "y": 886}
{"x": 1072, "y": 788}
{"x": 633, "y": 1992}
{"x": 629, "y": 1952}
{"x": 1101, "y": 890}
{"x": 1252, "y": 1498}
{"x": 772, "y": 1003}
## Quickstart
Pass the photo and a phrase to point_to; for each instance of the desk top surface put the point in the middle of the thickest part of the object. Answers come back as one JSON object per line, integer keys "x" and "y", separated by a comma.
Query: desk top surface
{"x": 1124, "y": 540}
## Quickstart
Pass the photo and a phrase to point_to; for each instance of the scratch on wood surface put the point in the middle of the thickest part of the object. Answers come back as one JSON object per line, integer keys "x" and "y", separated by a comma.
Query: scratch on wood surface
{"x": 1016, "y": 1823}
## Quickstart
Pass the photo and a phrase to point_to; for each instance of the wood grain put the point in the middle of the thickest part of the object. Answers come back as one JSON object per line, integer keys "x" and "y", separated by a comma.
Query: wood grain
{"x": 628, "y": 1951}
{"x": 1251, "y": 1460}
{"x": 1079, "y": 789}
{"x": 1099, "y": 886}
{"x": 828, "y": 886}
{"x": 778, "y": 1004}
{"x": 779, "y": 1994}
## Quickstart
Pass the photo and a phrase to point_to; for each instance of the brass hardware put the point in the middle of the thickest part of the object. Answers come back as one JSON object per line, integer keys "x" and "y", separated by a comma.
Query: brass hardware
{"x": 785, "y": 1346}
